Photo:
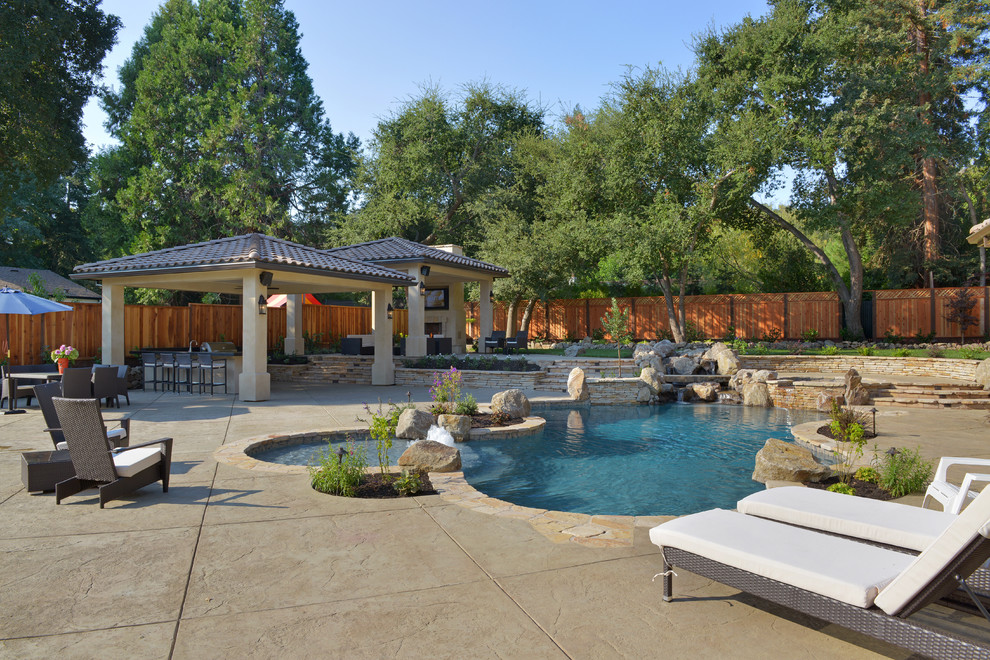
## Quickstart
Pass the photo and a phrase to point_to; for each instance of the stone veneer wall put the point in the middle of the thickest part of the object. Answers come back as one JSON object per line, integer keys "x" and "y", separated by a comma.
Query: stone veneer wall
{"x": 785, "y": 394}
{"x": 607, "y": 391}
{"x": 326, "y": 369}
{"x": 503, "y": 380}
{"x": 898, "y": 366}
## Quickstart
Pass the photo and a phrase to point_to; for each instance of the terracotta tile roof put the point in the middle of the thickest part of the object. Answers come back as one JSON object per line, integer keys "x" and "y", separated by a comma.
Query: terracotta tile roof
{"x": 245, "y": 249}
{"x": 396, "y": 250}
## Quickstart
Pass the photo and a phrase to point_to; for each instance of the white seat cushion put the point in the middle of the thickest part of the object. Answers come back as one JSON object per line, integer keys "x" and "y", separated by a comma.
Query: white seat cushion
{"x": 117, "y": 434}
{"x": 858, "y": 517}
{"x": 846, "y": 570}
{"x": 130, "y": 462}
{"x": 974, "y": 521}
{"x": 61, "y": 445}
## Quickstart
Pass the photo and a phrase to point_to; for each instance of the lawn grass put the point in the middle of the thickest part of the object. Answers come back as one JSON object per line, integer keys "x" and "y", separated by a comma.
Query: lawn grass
{"x": 588, "y": 352}
{"x": 877, "y": 352}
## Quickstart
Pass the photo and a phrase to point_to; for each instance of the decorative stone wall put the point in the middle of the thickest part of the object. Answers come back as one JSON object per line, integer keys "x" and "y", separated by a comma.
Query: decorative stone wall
{"x": 326, "y": 369}
{"x": 502, "y": 380}
{"x": 607, "y": 391}
{"x": 787, "y": 394}
{"x": 869, "y": 364}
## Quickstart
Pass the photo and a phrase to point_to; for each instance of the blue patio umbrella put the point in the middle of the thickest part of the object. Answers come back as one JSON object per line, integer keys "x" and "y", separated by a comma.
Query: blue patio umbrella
{"x": 13, "y": 301}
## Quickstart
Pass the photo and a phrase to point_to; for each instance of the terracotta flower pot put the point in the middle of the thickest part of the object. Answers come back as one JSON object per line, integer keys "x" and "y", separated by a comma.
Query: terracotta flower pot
{"x": 63, "y": 364}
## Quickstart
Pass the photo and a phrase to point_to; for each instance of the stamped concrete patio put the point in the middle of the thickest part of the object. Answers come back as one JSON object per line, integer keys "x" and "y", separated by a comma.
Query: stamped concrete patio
{"x": 235, "y": 563}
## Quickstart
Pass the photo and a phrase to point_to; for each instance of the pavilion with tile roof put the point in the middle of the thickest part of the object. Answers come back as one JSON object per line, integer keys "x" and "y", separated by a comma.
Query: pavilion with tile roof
{"x": 251, "y": 265}
{"x": 438, "y": 270}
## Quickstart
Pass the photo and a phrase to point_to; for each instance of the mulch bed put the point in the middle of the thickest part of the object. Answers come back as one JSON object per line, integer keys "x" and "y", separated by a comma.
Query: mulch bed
{"x": 373, "y": 487}
{"x": 484, "y": 420}
{"x": 827, "y": 432}
{"x": 862, "y": 488}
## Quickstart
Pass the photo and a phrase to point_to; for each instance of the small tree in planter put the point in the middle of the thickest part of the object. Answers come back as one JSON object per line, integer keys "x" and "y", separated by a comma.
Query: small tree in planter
{"x": 615, "y": 323}
{"x": 960, "y": 305}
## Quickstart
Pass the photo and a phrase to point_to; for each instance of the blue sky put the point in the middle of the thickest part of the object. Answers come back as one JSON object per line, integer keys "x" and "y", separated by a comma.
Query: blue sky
{"x": 367, "y": 57}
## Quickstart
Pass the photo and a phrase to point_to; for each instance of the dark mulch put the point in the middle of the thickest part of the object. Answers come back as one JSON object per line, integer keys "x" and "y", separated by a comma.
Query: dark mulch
{"x": 827, "y": 432}
{"x": 862, "y": 488}
{"x": 373, "y": 487}
{"x": 484, "y": 420}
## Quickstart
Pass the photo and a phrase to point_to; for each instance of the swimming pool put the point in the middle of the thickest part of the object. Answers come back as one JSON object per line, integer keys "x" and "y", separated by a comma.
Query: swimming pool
{"x": 619, "y": 460}
{"x": 631, "y": 460}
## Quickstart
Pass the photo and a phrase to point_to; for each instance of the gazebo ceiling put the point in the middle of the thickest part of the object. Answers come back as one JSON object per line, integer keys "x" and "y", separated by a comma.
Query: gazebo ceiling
{"x": 220, "y": 266}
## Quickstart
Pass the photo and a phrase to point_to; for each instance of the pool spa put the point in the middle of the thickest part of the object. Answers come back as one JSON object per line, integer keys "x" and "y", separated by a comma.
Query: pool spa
{"x": 612, "y": 460}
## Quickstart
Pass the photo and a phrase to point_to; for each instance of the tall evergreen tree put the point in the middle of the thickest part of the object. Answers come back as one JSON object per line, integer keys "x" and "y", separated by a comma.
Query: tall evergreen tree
{"x": 221, "y": 130}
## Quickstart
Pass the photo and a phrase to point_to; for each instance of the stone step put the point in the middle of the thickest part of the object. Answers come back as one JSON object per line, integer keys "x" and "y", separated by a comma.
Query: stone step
{"x": 931, "y": 402}
{"x": 937, "y": 387}
{"x": 937, "y": 394}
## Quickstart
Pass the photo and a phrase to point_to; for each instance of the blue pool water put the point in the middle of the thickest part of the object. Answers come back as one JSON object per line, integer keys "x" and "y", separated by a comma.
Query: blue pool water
{"x": 618, "y": 460}
{"x": 631, "y": 460}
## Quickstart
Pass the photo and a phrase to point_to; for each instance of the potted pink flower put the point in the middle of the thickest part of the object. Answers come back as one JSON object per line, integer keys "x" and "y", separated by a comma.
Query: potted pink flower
{"x": 63, "y": 355}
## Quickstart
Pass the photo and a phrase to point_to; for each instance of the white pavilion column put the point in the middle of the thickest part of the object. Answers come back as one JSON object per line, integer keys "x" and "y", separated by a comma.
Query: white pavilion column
{"x": 457, "y": 313}
{"x": 382, "y": 370}
{"x": 485, "y": 315}
{"x": 254, "y": 383}
{"x": 294, "y": 343}
{"x": 415, "y": 301}
{"x": 113, "y": 324}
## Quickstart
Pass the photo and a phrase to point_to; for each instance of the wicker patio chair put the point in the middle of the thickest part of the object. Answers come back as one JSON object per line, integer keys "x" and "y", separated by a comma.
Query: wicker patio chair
{"x": 521, "y": 340}
{"x": 77, "y": 383}
{"x": 122, "y": 384}
{"x": 114, "y": 472}
{"x": 45, "y": 393}
{"x": 105, "y": 385}
{"x": 21, "y": 390}
{"x": 865, "y": 588}
{"x": 496, "y": 341}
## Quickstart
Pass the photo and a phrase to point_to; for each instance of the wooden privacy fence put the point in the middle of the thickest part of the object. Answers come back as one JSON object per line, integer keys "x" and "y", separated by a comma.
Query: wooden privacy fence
{"x": 904, "y": 312}
{"x": 154, "y": 326}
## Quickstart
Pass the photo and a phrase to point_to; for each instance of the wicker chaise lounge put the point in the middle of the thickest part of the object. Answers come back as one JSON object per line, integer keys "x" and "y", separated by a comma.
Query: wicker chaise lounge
{"x": 114, "y": 472}
{"x": 46, "y": 393}
{"x": 863, "y": 587}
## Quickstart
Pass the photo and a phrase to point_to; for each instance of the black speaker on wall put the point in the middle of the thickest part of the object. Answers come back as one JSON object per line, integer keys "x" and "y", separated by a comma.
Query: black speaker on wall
{"x": 266, "y": 278}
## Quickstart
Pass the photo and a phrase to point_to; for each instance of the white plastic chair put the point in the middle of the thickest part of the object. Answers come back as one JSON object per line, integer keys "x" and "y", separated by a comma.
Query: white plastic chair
{"x": 953, "y": 497}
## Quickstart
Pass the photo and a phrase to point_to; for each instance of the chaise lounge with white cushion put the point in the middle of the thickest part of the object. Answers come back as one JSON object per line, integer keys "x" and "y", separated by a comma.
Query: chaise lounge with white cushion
{"x": 866, "y": 588}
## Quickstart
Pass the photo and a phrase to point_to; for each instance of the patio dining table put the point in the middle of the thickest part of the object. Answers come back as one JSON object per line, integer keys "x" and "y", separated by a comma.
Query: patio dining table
{"x": 43, "y": 376}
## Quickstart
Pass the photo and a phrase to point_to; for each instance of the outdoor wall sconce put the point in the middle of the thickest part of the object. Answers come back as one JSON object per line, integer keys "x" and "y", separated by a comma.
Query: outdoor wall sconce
{"x": 491, "y": 297}
{"x": 389, "y": 310}
{"x": 422, "y": 287}
{"x": 262, "y": 305}
{"x": 266, "y": 278}
{"x": 424, "y": 270}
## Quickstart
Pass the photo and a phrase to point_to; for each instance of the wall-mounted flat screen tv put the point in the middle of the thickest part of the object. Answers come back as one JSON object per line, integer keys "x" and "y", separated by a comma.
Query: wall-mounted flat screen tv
{"x": 438, "y": 298}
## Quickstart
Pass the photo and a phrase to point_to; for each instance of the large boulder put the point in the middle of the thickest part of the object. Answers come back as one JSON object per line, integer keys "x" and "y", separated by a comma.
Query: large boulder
{"x": 855, "y": 394}
{"x": 730, "y": 397}
{"x": 572, "y": 350}
{"x": 413, "y": 424}
{"x": 706, "y": 391}
{"x": 459, "y": 426}
{"x": 785, "y": 461}
{"x": 983, "y": 374}
{"x": 652, "y": 378}
{"x": 430, "y": 456}
{"x": 644, "y": 394}
{"x": 728, "y": 363}
{"x": 756, "y": 395}
{"x": 511, "y": 402}
{"x": 664, "y": 348}
{"x": 825, "y": 400}
{"x": 577, "y": 385}
{"x": 683, "y": 365}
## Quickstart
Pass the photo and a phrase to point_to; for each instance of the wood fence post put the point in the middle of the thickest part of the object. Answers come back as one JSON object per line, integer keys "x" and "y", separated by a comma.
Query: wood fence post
{"x": 931, "y": 296}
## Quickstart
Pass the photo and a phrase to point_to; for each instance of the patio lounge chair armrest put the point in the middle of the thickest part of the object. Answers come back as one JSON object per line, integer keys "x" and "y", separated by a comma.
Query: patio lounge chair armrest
{"x": 161, "y": 441}
{"x": 50, "y": 430}
{"x": 946, "y": 462}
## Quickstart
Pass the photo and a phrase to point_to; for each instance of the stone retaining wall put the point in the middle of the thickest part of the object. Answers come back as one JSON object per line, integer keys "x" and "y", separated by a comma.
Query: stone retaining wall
{"x": 608, "y": 391}
{"x": 501, "y": 380}
{"x": 871, "y": 364}
{"x": 788, "y": 394}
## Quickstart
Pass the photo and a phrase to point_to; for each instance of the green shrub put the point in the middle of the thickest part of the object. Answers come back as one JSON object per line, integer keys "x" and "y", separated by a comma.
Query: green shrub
{"x": 841, "y": 487}
{"x": 758, "y": 349}
{"x": 471, "y": 363}
{"x": 810, "y": 335}
{"x": 738, "y": 345}
{"x": 408, "y": 483}
{"x": 338, "y": 472}
{"x": 924, "y": 337}
{"x": 772, "y": 335}
{"x": 730, "y": 334}
{"x": 829, "y": 350}
{"x": 935, "y": 352}
{"x": 901, "y": 352}
{"x": 892, "y": 337}
{"x": 466, "y": 405}
{"x": 847, "y": 429}
{"x": 382, "y": 427}
{"x": 903, "y": 471}
{"x": 971, "y": 353}
{"x": 867, "y": 474}
{"x": 865, "y": 350}
{"x": 692, "y": 333}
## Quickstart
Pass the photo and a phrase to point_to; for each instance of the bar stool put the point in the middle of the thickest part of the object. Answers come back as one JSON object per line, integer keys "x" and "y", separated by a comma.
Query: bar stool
{"x": 153, "y": 362}
{"x": 207, "y": 365}
{"x": 184, "y": 372}
{"x": 167, "y": 363}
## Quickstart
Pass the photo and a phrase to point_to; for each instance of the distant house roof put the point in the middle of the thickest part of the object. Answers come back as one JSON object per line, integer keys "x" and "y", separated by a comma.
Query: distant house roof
{"x": 239, "y": 251}
{"x": 394, "y": 251}
{"x": 19, "y": 278}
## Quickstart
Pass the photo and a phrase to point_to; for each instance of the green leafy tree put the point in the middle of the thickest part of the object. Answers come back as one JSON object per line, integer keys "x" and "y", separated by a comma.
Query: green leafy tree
{"x": 615, "y": 323}
{"x": 435, "y": 161}
{"x": 50, "y": 63}
{"x": 221, "y": 130}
